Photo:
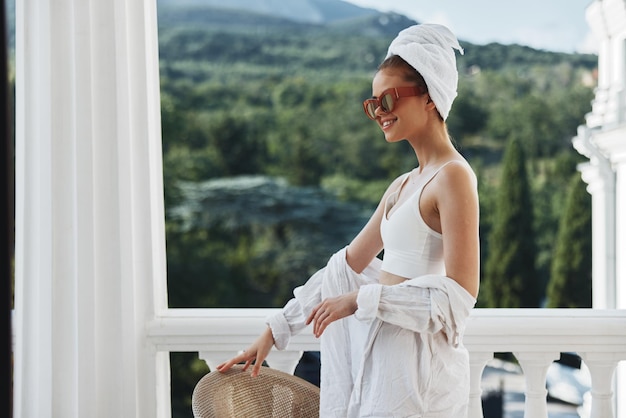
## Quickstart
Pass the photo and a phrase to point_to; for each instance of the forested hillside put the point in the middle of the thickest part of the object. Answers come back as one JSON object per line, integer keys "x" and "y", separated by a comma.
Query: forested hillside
{"x": 270, "y": 164}
{"x": 245, "y": 94}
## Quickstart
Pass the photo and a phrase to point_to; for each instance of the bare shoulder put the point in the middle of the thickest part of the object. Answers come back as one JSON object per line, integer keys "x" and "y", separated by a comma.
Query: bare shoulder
{"x": 457, "y": 175}
{"x": 459, "y": 169}
{"x": 457, "y": 186}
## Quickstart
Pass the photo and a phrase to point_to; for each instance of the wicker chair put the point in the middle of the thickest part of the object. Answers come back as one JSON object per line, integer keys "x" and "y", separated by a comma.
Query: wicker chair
{"x": 272, "y": 394}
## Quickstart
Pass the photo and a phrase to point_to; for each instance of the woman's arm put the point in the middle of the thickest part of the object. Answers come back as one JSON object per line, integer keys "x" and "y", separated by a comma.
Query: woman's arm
{"x": 457, "y": 204}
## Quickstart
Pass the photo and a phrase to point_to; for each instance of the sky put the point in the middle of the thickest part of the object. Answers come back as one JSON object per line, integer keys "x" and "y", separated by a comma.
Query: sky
{"x": 554, "y": 25}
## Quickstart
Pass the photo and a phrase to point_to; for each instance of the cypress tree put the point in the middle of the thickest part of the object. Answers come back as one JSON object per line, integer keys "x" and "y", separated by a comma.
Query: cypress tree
{"x": 511, "y": 279}
{"x": 570, "y": 279}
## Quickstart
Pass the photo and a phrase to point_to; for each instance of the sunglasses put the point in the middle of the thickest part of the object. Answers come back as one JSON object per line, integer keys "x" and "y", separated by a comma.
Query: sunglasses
{"x": 387, "y": 100}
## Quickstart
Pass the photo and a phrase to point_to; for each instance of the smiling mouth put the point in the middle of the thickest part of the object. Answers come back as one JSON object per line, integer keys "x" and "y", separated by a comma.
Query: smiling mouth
{"x": 387, "y": 123}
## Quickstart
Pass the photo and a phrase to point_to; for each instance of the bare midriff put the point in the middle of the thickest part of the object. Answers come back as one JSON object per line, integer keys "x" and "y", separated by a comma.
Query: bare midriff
{"x": 389, "y": 279}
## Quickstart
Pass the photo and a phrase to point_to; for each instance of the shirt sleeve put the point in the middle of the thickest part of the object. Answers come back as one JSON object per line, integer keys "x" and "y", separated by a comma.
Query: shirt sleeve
{"x": 430, "y": 304}
{"x": 405, "y": 306}
{"x": 291, "y": 319}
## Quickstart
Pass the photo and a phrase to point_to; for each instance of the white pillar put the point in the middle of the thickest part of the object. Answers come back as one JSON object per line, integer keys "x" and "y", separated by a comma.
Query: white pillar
{"x": 478, "y": 360}
{"x": 535, "y": 367}
{"x": 602, "y": 368}
{"x": 620, "y": 227}
{"x": 90, "y": 251}
{"x": 600, "y": 178}
{"x": 618, "y": 155}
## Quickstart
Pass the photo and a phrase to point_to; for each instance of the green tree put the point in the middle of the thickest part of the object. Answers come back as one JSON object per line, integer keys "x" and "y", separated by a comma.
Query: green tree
{"x": 550, "y": 179}
{"x": 241, "y": 149}
{"x": 570, "y": 281}
{"x": 511, "y": 279}
{"x": 469, "y": 115}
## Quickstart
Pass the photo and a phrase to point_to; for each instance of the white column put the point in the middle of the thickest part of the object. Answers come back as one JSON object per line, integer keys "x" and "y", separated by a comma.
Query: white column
{"x": 601, "y": 187}
{"x": 478, "y": 360}
{"x": 620, "y": 227}
{"x": 619, "y": 157}
{"x": 90, "y": 251}
{"x": 601, "y": 367}
{"x": 535, "y": 367}
{"x": 620, "y": 389}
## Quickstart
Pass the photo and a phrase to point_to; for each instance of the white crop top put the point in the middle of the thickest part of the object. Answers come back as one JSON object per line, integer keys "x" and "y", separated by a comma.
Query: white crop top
{"x": 412, "y": 248}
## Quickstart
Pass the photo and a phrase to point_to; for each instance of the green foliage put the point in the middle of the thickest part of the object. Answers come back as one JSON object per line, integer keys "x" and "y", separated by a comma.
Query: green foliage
{"x": 470, "y": 114}
{"x": 511, "y": 279}
{"x": 245, "y": 98}
{"x": 570, "y": 281}
{"x": 550, "y": 179}
{"x": 186, "y": 370}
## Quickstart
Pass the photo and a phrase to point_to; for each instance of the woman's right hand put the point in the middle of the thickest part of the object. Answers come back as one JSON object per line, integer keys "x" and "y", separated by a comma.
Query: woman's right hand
{"x": 257, "y": 352}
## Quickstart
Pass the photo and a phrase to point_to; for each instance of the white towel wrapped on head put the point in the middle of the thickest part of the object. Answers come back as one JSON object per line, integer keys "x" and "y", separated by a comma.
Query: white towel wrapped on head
{"x": 429, "y": 48}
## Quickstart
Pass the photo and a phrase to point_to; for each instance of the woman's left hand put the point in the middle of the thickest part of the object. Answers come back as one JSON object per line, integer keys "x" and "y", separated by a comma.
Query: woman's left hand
{"x": 330, "y": 310}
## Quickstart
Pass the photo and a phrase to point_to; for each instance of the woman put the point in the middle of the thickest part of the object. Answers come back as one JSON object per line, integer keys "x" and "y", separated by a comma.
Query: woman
{"x": 391, "y": 330}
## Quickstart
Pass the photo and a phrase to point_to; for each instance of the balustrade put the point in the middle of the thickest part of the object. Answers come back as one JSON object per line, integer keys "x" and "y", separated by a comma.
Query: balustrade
{"x": 535, "y": 336}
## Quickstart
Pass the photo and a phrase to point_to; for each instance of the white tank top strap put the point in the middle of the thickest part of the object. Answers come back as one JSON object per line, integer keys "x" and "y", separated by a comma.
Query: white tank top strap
{"x": 439, "y": 169}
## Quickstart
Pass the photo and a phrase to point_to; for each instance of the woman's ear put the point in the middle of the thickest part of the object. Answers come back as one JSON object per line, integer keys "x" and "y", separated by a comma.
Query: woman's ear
{"x": 430, "y": 104}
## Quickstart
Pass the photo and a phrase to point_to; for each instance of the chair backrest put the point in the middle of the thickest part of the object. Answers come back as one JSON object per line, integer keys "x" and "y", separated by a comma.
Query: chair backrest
{"x": 272, "y": 394}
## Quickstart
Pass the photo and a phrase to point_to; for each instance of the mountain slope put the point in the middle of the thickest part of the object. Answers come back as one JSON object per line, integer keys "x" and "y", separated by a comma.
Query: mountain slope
{"x": 309, "y": 11}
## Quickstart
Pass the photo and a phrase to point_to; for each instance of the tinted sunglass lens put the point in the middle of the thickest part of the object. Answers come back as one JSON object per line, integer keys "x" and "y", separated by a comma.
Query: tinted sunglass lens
{"x": 371, "y": 110}
{"x": 387, "y": 103}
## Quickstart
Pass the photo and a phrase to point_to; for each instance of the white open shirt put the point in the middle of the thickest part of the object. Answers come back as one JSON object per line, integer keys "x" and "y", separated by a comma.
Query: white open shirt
{"x": 401, "y": 353}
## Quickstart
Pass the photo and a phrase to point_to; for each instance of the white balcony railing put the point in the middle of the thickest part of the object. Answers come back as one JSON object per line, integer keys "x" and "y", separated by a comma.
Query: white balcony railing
{"x": 535, "y": 336}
